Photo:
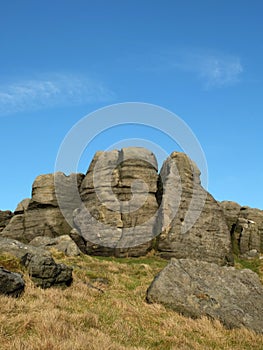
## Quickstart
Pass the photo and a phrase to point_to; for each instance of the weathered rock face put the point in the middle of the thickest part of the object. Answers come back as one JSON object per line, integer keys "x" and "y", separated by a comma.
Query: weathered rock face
{"x": 45, "y": 272}
{"x": 19, "y": 249}
{"x": 191, "y": 221}
{"x": 11, "y": 283}
{"x": 196, "y": 288}
{"x": 63, "y": 244}
{"x": 246, "y": 227}
{"x": 119, "y": 193}
{"x": 42, "y": 268}
{"x": 123, "y": 207}
{"x": 41, "y": 215}
{"x": 5, "y": 217}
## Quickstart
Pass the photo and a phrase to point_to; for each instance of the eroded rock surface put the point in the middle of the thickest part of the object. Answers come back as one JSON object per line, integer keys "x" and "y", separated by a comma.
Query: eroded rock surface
{"x": 5, "y": 217}
{"x": 11, "y": 283}
{"x": 246, "y": 227}
{"x": 42, "y": 268}
{"x": 119, "y": 191}
{"x": 191, "y": 221}
{"x": 41, "y": 215}
{"x": 45, "y": 272}
{"x": 63, "y": 244}
{"x": 197, "y": 288}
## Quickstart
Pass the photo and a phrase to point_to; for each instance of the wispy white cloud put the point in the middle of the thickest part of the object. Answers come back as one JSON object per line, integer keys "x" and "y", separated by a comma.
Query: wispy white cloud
{"x": 218, "y": 70}
{"x": 212, "y": 69}
{"x": 49, "y": 91}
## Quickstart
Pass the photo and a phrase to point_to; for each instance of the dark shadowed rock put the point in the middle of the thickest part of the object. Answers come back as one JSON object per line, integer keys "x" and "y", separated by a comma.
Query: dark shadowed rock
{"x": 191, "y": 221}
{"x": 11, "y": 284}
{"x": 5, "y": 217}
{"x": 79, "y": 240}
{"x": 197, "y": 288}
{"x": 41, "y": 266}
{"x": 45, "y": 272}
{"x": 231, "y": 212}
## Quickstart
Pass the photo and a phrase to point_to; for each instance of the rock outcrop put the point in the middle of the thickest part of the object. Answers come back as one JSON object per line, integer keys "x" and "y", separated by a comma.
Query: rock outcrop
{"x": 129, "y": 209}
{"x": 246, "y": 227}
{"x": 119, "y": 193}
{"x": 41, "y": 215}
{"x": 196, "y": 288}
{"x": 123, "y": 207}
{"x": 192, "y": 222}
{"x": 42, "y": 268}
{"x": 5, "y": 217}
{"x": 11, "y": 283}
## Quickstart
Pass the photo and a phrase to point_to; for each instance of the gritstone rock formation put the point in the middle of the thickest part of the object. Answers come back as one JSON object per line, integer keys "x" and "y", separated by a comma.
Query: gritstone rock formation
{"x": 119, "y": 191}
{"x": 123, "y": 207}
{"x": 246, "y": 227}
{"x": 5, "y": 217}
{"x": 41, "y": 215}
{"x": 197, "y": 288}
{"x": 193, "y": 225}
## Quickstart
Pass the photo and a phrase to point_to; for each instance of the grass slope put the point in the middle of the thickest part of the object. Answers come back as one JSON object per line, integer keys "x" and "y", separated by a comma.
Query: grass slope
{"x": 105, "y": 309}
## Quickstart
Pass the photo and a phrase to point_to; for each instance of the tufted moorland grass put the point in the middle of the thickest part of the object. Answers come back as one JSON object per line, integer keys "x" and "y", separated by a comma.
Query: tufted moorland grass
{"x": 105, "y": 309}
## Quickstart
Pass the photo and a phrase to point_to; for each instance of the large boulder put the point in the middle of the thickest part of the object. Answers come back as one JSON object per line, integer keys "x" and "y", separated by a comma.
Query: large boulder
{"x": 197, "y": 288}
{"x": 63, "y": 244}
{"x": 246, "y": 227}
{"x": 41, "y": 215}
{"x": 11, "y": 283}
{"x": 42, "y": 268}
{"x": 191, "y": 221}
{"x": 5, "y": 217}
{"x": 45, "y": 272}
{"x": 119, "y": 193}
{"x": 19, "y": 249}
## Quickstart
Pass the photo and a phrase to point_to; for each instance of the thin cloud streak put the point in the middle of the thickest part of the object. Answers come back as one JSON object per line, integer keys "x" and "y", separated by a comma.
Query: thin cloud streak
{"x": 51, "y": 91}
{"x": 214, "y": 70}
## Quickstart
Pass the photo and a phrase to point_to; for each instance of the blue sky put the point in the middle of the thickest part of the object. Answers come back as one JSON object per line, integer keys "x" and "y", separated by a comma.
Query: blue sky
{"x": 202, "y": 60}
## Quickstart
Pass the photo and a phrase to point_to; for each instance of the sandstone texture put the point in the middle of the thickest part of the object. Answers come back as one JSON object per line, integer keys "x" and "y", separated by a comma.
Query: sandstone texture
{"x": 45, "y": 272}
{"x": 5, "y": 217}
{"x": 19, "y": 249}
{"x": 119, "y": 194}
{"x": 246, "y": 227}
{"x": 197, "y": 288}
{"x": 42, "y": 268}
{"x": 11, "y": 283}
{"x": 63, "y": 244}
{"x": 123, "y": 207}
{"x": 192, "y": 222}
{"x": 41, "y": 215}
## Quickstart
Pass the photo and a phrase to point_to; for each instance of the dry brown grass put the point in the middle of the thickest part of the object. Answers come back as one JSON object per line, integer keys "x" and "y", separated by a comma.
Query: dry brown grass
{"x": 114, "y": 316}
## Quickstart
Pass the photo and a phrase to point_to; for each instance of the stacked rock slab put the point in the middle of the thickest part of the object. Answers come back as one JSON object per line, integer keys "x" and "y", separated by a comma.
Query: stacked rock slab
{"x": 41, "y": 215}
{"x": 5, "y": 217}
{"x": 192, "y": 222}
{"x": 119, "y": 193}
{"x": 246, "y": 227}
